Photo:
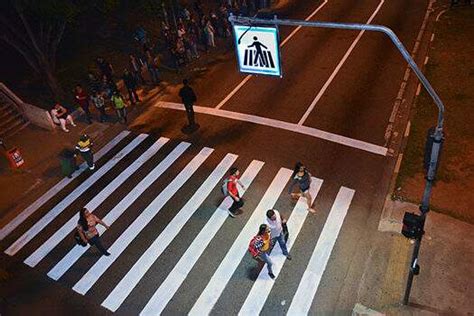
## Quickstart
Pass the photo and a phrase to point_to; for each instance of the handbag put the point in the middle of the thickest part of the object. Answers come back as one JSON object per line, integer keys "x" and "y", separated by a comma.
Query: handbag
{"x": 286, "y": 234}
{"x": 78, "y": 239}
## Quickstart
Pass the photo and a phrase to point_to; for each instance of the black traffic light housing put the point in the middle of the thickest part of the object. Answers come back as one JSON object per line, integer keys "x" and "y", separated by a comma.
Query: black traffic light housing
{"x": 412, "y": 225}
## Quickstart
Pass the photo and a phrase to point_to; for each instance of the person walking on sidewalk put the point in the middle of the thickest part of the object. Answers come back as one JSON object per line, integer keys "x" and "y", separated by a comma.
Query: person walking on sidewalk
{"x": 275, "y": 222}
{"x": 86, "y": 227}
{"x": 188, "y": 97}
{"x": 302, "y": 177}
{"x": 84, "y": 147}
{"x": 119, "y": 105}
{"x": 131, "y": 85}
{"x": 232, "y": 181}
{"x": 82, "y": 100}
{"x": 259, "y": 247}
{"x": 99, "y": 102}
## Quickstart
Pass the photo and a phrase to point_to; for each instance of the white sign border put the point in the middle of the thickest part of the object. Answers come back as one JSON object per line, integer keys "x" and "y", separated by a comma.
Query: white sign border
{"x": 275, "y": 31}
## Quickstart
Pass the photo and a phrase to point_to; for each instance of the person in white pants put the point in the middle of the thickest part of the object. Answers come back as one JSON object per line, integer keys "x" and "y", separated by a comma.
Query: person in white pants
{"x": 60, "y": 116}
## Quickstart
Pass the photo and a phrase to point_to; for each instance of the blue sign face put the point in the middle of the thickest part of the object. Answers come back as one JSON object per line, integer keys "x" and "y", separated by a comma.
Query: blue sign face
{"x": 257, "y": 50}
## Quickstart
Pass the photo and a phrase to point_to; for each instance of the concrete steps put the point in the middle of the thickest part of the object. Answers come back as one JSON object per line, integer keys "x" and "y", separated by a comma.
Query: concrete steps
{"x": 11, "y": 120}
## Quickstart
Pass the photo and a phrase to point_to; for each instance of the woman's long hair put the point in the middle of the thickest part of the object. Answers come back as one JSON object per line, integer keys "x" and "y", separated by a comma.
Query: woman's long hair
{"x": 296, "y": 169}
{"x": 82, "y": 219}
{"x": 262, "y": 229}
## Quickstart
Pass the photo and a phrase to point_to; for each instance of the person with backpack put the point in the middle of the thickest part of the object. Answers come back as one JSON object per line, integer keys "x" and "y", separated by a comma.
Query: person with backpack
{"x": 260, "y": 246}
{"x": 302, "y": 177}
{"x": 230, "y": 189}
{"x": 276, "y": 222}
{"x": 86, "y": 227}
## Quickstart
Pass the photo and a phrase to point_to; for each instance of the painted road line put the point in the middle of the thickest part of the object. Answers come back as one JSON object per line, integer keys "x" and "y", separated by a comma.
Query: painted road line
{"x": 132, "y": 231}
{"x": 231, "y": 261}
{"x": 338, "y": 67}
{"x": 309, "y": 283}
{"x": 136, "y": 273}
{"x": 181, "y": 270}
{"x": 263, "y": 285}
{"x": 7, "y": 229}
{"x": 98, "y": 199}
{"x": 61, "y": 206}
{"x": 62, "y": 266}
{"x": 309, "y": 17}
{"x": 305, "y": 130}
{"x": 247, "y": 78}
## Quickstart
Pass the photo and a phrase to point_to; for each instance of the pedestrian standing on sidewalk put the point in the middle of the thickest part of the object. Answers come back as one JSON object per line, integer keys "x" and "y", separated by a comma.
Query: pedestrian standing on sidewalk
{"x": 119, "y": 105}
{"x": 99, "y": 102}
{"x": 188, "y": 97}
{"x": 61, "y": 116}
{"x": 302, "y": 177}
{"x": 82, "y": 100}
{"x": 105, "y": 68}
{"x": 86, "y": 227}
{"x": 131, "y": 85}
{"x": 152, "y": 65}
{"x": 136, "y": 64}
{"x": 84, "y": 147}
{"x": 275, "y": 221}
{"x": 259, "y": 247}
{"x": 232, "y": 181}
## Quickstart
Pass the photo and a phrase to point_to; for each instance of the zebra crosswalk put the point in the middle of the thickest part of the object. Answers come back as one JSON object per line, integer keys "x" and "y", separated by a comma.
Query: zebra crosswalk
{"x": 186, "y": 167}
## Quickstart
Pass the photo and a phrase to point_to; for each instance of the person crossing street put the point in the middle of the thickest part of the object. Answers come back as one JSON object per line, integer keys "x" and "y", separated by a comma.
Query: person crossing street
{"x": 260, "y": 246}
{"x": 238, "y": 202}
{"x": 275, "y": 221}
{"x": 84, "y": 147}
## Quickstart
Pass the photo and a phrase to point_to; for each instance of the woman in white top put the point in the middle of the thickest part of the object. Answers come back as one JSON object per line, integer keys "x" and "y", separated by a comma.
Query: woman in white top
{"x": 61, "y": 117}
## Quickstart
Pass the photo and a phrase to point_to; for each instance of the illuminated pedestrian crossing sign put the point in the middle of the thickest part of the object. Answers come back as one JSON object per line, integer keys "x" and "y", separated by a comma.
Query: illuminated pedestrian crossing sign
{"x": 257, "y": 50}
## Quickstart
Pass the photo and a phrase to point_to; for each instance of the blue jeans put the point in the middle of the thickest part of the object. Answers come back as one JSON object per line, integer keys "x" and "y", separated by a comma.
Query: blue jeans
{"x": 281, "y": 241}
{"x": 266, "y": 258}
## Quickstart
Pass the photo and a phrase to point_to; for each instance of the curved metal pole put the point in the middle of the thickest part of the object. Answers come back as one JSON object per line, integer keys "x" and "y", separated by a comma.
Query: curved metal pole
{"x": 356, "y": 26}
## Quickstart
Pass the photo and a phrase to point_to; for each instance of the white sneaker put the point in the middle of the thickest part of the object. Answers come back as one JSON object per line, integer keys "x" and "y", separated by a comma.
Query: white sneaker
{"x": 66, "y": 130}
{"x": 73, "y": 124}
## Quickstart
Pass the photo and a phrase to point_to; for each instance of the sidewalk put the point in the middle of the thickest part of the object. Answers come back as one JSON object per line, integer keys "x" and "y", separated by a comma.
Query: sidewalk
{"x": 445, "y": 283}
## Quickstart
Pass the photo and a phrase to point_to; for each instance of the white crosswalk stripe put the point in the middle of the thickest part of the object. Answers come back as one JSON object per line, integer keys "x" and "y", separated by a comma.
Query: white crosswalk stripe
{"x": 20, "y": 218}
{"x": 309, "y": 283}
{"x": 61, "y": 233}
{"x": 216, "y": 285}
{"x": 136, "y": 273}
{"x": 53, "y": 213}
{"x": 89, "y": 279}
{"x": 166, "y": 293}
{"x": 177, "y": 276}
{"x": 263, "y": 285}
{"x": 62, "y": 266}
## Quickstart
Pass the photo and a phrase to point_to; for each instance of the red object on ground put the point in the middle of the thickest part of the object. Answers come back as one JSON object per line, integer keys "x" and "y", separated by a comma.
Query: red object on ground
{"x": 15, "y": 158}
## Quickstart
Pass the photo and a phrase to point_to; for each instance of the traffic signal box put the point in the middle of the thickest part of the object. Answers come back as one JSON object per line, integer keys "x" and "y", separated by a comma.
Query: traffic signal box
{"x": 412, "y": 225}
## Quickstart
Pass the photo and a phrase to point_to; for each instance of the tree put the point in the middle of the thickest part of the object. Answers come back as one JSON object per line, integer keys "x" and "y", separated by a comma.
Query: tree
{"x": 35, "y": 28}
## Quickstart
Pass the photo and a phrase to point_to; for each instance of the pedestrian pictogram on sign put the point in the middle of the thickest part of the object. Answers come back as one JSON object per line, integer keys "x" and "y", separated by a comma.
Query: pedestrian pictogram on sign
{"x": 257, "y": 50}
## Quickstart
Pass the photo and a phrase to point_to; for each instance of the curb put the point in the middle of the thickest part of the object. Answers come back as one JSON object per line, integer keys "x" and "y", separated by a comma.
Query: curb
{"x": 391, "y": 221}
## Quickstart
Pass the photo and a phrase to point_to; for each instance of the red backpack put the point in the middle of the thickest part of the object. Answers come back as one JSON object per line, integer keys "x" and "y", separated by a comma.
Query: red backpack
{"x": 252, "y": 248}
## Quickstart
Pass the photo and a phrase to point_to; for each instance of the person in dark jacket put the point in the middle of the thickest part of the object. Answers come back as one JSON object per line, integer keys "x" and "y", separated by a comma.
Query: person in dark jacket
{"x": 131, "y": 84}
{"x": 302, "y": 177}
{"x": 188, "y": 97}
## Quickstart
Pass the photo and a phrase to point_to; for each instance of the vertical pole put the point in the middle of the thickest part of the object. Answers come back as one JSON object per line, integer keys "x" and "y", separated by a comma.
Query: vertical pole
{"x": 424, "y": 207}
{"x": 414, "y": 262}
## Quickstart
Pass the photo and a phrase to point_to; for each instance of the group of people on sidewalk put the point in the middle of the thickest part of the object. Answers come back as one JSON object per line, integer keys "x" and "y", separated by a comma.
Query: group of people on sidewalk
{"x": 100, "y": 94}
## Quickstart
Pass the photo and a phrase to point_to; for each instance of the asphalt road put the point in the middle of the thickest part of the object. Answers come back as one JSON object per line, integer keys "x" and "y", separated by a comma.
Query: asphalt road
{"x": 356, "y": 104}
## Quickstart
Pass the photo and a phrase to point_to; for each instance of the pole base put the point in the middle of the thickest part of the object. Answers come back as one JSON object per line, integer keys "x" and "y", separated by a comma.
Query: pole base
{"x": 188, "y": 129}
